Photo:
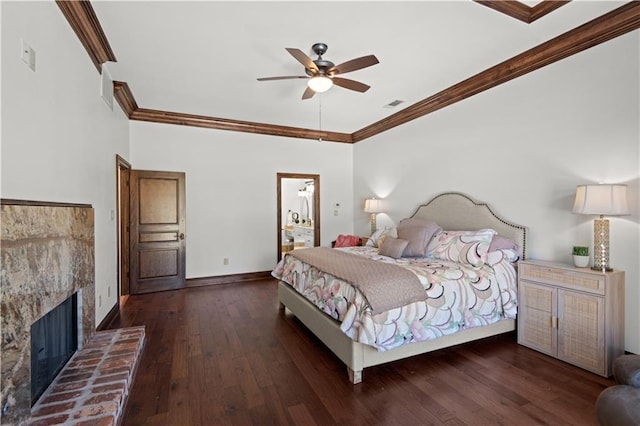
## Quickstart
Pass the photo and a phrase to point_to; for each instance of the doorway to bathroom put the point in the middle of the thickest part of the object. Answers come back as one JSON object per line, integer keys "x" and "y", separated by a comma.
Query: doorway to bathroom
{"x": 298, "y": 217}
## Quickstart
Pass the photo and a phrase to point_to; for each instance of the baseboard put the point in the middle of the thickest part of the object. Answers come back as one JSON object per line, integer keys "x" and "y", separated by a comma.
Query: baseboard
{"x": 227, "y": 279}
{"x": 113, "y": 313}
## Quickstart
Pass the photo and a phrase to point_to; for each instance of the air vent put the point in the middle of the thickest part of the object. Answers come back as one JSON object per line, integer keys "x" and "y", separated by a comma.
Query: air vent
{"x": 394, "y": 103}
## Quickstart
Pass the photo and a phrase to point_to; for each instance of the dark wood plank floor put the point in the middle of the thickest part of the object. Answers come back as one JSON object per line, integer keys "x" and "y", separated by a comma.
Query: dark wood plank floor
{"x": 226, "y": 355}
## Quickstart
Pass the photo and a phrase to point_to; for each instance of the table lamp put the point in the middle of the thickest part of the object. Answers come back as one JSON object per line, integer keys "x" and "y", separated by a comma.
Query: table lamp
{"x": 603, "y": 200}
{"x": 373, "y": 206}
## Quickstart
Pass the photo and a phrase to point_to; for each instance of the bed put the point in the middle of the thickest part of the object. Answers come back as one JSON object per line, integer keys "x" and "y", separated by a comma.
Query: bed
{"x": 452, "y": 211}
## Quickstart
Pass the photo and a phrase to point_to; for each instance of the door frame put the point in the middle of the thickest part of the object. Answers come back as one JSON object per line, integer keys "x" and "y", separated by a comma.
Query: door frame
{"x": 123, "y": 172}
{"x": 316, "y": 206}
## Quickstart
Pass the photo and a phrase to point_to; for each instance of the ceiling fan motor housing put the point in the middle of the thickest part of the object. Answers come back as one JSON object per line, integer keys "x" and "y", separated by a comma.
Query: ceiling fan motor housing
{"x": 319, "y": 49}
{"x": 323, "y": 67}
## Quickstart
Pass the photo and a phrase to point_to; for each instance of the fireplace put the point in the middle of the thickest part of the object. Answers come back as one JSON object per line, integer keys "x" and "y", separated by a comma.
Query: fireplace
{"x": 47, "y": 252}
{"x": 54, "y": 339}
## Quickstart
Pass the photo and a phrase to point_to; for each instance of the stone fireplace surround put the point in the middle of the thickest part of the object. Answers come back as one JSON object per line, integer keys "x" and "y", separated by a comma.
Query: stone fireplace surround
{"x": 47, "y": 255}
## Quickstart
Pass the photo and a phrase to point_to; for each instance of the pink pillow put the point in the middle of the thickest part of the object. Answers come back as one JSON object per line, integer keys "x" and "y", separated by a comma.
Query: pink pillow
{"x": 347, "y": 241}
{"x": 392, "y": 247}
{"x": 502, "y": 243}
{"x": 418, "y": 233}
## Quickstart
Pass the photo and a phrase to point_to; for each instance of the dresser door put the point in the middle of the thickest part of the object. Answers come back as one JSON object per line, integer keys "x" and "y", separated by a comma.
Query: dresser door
{"x": 581, "y": 330}
{"x": 536, "y": 318}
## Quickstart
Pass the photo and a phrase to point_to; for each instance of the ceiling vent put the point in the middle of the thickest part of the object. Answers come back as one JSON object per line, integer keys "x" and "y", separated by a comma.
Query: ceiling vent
{"x": 394, "y": 103}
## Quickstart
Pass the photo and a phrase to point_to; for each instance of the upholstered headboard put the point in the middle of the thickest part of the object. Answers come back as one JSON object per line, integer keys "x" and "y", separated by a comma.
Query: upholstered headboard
{"x": 455, "y": 211}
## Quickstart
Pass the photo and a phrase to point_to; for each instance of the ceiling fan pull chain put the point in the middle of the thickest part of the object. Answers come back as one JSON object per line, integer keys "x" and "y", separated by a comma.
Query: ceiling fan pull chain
{"x": 320, "y": 116}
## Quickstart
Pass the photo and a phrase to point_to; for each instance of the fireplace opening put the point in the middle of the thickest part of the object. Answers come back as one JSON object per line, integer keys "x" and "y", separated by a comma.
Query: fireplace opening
{"x": 54, "y": 339}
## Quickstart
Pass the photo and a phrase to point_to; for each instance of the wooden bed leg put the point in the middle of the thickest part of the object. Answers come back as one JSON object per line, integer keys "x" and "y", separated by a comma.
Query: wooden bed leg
{"x": 355, "y": 377}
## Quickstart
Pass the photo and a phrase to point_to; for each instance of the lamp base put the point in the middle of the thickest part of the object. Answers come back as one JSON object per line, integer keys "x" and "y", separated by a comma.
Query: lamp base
{"x": 601, "y": 245}
{"x": 373, "y": 223}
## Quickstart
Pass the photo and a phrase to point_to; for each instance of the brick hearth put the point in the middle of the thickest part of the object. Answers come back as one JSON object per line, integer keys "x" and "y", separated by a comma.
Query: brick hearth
{"x": 92, "y": 388}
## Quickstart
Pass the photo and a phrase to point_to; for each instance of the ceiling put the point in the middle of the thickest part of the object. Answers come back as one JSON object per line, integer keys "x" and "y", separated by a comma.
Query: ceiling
{"x": 204, "y": 57}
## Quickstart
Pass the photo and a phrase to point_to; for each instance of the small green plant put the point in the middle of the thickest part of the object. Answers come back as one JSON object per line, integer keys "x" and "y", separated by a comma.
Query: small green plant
{"x": 581, "y": 251}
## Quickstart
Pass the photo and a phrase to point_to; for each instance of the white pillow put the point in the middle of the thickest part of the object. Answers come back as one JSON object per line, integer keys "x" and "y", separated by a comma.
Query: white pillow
{"x": 375, "y": 238}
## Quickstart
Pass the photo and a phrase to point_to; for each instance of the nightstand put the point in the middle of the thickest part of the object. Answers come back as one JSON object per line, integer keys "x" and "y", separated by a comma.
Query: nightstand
{"x": 573, "y": 314}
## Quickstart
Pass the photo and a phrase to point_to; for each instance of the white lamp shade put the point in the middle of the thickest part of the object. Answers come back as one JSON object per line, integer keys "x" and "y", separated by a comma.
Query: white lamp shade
{"x": 320, "y": 83}
{"x": 372, "y": 205}
{"x": 608, "y": 200}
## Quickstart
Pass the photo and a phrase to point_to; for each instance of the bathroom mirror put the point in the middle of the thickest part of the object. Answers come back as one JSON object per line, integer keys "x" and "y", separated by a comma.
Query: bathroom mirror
{"x": 298, "y": 211}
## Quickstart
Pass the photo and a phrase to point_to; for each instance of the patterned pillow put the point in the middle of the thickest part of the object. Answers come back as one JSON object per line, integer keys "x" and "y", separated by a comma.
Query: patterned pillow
{"x": 466, "y": 247}
{"x": 496, "y": 256}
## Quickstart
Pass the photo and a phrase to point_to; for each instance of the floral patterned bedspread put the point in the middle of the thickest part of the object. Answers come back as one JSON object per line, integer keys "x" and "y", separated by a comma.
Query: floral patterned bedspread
{"x": 457, "y": 297}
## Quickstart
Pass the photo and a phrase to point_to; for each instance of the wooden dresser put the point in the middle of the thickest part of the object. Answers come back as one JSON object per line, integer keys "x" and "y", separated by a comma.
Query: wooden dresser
{"x": 573, "y": 314}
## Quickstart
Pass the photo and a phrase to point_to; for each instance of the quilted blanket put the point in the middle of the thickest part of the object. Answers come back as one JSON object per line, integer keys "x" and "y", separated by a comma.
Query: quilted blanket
{"x": 385, "y": 285}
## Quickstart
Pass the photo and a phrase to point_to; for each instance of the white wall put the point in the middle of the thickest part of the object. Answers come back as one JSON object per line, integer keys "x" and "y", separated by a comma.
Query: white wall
{"x": 523, "y": 147}
{"x": 58, "y": 138}
{"x": 232, "y": 193}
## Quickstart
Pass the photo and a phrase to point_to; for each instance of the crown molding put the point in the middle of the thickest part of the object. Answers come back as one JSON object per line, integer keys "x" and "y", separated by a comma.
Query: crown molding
{"x": 124, "y": 96}
{"x": 85, "y": 24}
{"x": 521, "y": 11}
{"x": 544, "y": 8}
{"x": 181, "y": 119}
{"x": 129, "y": 106}
{"x": 168, "y": 117}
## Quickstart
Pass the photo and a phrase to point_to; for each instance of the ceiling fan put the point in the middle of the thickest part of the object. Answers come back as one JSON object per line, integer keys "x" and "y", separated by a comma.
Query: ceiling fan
{"x": 321, "y": 74}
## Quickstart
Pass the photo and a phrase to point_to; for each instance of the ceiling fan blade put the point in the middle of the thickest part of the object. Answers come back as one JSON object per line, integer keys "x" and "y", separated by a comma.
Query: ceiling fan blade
{"x": 302, "y": 58}
{"x": 354, "y": 64}
{"x": 350, "y": 84}
{"x": 308, "y": 93}
{"x": 284, "y": 77}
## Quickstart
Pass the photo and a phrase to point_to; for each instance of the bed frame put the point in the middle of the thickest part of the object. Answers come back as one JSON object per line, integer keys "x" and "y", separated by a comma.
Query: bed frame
{"x": 453, "y": 211}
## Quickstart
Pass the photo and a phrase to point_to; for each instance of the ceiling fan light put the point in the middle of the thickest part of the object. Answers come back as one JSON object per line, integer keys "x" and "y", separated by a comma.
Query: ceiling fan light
{"x": 320, "y": 83}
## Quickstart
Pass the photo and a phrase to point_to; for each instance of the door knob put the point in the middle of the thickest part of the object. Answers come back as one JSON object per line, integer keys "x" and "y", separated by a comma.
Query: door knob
{"x": 182, "y": 236}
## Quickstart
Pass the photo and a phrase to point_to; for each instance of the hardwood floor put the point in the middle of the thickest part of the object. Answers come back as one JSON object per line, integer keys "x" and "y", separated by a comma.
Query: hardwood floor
{"x": 225, "y": 354}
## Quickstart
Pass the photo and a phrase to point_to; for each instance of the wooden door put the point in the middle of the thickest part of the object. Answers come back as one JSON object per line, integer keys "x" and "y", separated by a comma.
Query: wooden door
{"x": 157, "y": 231}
